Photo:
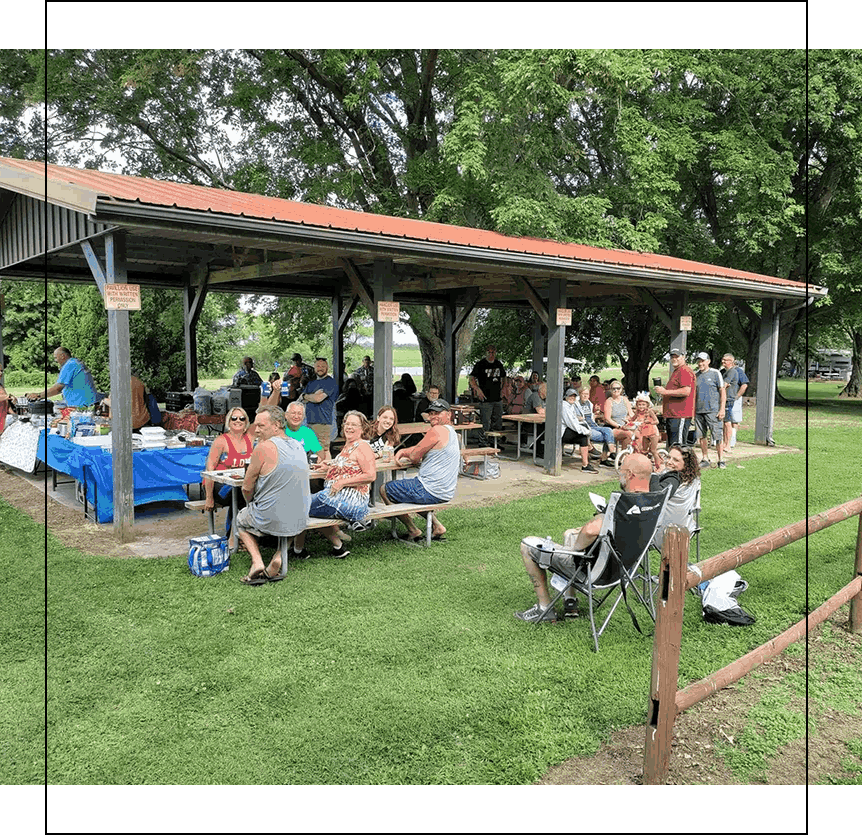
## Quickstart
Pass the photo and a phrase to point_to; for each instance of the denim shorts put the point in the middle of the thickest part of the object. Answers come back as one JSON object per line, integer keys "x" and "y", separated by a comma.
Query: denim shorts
{"x": 410, "y": 491}
{"x": 602, "y": 434}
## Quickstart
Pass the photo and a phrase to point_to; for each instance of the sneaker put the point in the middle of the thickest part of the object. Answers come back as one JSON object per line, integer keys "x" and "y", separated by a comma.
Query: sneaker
{"x": 362, "y": 525}
{"x": 299, "y": 555}
{"x": 739, "y": 587}
{"x": 606, "y": 463}
{"x": 589, "y": 469}
{"x": 536, "y": 614}
{"x": 722, "y": 465}
{"x": 570, "y": 608}
{"x": 612, "y": 456}
{"x": 704, "y": 463}
{"x": 595, "y": 456}
{"x": 340, "y": 553}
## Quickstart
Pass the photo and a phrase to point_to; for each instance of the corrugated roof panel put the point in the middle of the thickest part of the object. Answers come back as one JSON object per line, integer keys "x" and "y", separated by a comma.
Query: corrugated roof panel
{"x": 218, "y": 201}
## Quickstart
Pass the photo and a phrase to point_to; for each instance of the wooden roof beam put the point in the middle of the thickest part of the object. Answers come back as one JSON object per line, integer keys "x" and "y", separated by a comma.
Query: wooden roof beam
{"x": 533, "y": 298}
{"x": 273, "y": 269}
{"x": 359, "y": 287}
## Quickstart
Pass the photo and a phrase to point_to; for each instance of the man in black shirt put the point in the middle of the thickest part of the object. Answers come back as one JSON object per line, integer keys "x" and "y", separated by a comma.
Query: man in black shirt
{"x": 486, "y": 382}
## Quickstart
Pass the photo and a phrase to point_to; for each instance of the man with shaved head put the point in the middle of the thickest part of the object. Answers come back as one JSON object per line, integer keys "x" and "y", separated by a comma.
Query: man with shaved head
{"x": 635, "y": 474}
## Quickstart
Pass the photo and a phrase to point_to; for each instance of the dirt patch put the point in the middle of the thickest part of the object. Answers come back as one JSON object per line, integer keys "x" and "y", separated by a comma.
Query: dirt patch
{"x": 720, "y": 719}
{"x": 168, "y": 536}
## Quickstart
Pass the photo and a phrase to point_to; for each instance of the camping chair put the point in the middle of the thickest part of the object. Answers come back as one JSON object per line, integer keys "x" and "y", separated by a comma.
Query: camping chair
{"x": 683, "y": 509}
{"x": 618, "y": 557}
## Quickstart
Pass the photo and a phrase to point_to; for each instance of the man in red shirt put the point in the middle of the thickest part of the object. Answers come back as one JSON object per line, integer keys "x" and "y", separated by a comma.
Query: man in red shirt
{"x": 678, "y": 399}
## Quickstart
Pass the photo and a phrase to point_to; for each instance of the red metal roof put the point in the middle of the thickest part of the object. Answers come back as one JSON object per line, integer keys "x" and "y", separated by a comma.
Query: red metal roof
{"x": 218, "y": 201}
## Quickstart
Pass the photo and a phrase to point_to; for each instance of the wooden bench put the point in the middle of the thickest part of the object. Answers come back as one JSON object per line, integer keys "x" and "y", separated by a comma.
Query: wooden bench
{"x": 390, "y": 511}
{"x": 477, "y": 455}
{"x": 201, "y": 506}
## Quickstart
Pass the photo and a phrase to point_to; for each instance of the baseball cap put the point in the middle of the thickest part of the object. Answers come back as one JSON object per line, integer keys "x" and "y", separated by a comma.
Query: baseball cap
{"x": 703, "y": 355}
{"x": 675, "y": 352}
{"x": 438, "y": 406}
{"x": 570, "y": 393}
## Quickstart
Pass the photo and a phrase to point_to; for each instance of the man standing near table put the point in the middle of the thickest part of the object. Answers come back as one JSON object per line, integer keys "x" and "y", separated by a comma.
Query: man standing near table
{"x": 319, "y": 398}
{"x": 438, "y": 455}
{"x": 486, "y": 382}
{"x": 247, "y": 376}
{"x": 75, "y": 382}
{"x": 677, "y": 399}
{"x": 277, "y": 493}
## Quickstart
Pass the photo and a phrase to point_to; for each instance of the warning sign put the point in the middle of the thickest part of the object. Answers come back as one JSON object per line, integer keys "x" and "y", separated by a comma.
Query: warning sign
{"x": 122, "y": 297}
{"x": 388, "y": 311}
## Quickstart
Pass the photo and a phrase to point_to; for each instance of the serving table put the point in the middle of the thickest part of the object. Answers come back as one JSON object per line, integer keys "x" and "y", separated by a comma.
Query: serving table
{"x": 158, "y": 474}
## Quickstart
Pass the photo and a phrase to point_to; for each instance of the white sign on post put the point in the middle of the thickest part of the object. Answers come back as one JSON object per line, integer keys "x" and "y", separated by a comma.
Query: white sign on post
{"x": 564, "y": 316}
{"x": 388, "y": 311}
{"x": 685, "y": 323}
{"x": 122, "y": 297}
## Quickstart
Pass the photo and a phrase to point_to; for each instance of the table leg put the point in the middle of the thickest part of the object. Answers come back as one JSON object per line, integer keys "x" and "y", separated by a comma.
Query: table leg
{"x": 535, "y": 440}
{"x": 232, "y": 549}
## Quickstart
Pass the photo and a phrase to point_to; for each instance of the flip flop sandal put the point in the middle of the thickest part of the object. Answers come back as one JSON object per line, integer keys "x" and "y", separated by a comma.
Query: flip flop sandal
{"x": 258, "y": 580}
{"x": 438, "y": 537}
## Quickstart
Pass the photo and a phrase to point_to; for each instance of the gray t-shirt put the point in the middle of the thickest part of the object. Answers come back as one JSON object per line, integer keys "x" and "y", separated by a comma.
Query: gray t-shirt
{"x": 731, "y": 377}
{"x": 282, "y": 498}
{"x": 533, "y": 403}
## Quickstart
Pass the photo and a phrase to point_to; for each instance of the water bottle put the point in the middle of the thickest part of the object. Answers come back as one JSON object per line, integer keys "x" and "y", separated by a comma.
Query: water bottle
{"x": 549, "y": 543}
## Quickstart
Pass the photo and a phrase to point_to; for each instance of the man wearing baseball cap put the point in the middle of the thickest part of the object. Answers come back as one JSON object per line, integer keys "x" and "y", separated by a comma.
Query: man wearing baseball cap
{"x": 709, "y": 408}
{"x": 678, "y": 399}
{"x": 438, "y": 455}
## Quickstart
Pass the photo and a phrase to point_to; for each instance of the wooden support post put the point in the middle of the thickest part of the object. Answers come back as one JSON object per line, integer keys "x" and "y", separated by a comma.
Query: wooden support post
{"x": 193, "y": 303}
{"x": 121, "y": 392}
{"x": 767, "y": 374}
{"x": 383, "y": 285}
{"x": 337, "y": 364}
{"x": 556, "y": 358}
{"x": 661, "y": 710}
{"x": 678, "y": 338}
{"x": 450, "y": 372}
{"x": 856, "y": 602}
{"x": 538, "y": 347}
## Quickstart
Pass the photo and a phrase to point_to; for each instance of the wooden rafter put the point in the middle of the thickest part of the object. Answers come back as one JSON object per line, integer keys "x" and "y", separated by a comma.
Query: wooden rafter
{"x": 272, "y": 269}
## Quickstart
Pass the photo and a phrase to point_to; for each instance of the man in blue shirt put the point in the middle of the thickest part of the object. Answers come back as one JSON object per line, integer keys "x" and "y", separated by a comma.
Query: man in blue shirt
{"x": 319, "y": 398}
{"x": 75, "y": 382}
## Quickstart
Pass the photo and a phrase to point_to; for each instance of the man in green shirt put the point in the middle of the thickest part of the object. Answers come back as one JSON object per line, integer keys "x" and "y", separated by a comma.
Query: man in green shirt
{"x": 295, "y": 414}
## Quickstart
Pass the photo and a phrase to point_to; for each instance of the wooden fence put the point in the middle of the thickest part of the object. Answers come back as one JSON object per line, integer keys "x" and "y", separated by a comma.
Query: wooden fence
{"x": 674, "y": 580}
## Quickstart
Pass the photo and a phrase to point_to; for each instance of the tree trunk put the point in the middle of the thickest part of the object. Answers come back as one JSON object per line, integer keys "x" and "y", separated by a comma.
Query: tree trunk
{"x": 428, "y": 323}
{"x": 638, "y": 345}
{"x": 854, "y": 384}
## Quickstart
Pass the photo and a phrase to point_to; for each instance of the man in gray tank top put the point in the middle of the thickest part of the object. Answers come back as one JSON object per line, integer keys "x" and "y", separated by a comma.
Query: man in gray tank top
{"x": 276, "y": 488}
{"x": 440, "y": 456}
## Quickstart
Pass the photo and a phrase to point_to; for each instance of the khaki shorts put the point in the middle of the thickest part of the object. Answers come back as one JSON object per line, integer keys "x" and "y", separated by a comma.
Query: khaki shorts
{"x": 244, "y": 523}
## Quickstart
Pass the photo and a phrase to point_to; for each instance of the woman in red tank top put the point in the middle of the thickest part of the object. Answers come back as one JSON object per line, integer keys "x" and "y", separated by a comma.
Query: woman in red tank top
{"x": 230, "y": 450}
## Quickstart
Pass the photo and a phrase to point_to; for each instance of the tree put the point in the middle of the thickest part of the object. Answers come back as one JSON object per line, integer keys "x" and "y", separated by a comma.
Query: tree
{"x": 697, "y": 154}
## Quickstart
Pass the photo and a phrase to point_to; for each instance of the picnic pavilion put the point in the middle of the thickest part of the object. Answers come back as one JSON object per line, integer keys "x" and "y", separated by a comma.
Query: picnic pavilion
{"x": 74, "y": 225}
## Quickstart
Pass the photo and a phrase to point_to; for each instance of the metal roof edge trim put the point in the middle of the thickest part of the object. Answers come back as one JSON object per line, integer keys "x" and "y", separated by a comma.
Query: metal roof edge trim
{"x": 369, "y": 240}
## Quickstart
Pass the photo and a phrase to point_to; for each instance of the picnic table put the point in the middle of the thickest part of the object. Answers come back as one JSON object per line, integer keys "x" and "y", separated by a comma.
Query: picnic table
{"x": 407, "y": 429}
{"x": 535, "y": 420}
{"x": 234, "y": 478}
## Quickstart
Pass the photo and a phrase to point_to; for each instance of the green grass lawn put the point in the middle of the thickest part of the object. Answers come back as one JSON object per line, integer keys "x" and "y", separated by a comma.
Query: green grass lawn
{"x": 395, "y": 666}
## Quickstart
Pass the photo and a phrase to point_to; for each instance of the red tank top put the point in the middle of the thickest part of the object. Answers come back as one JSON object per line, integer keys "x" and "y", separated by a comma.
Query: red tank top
{"x": 233, "y": 457}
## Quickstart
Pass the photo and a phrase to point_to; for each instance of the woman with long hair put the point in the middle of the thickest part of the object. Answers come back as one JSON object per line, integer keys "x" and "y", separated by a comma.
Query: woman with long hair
{"x": 229, "y": 451}
{"x": 383, "y": 432}
{"x": 682, "y": 473}
{"x": 618, "y": 412}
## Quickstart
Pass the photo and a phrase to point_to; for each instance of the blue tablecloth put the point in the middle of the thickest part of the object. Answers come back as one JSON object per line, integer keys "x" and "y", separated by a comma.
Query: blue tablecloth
{"x": 159, "y": 475}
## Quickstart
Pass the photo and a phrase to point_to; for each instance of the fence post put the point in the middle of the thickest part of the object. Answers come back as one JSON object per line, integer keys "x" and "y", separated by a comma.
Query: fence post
{"x": 661, "y": 710}
{"x": 856, "y": 602}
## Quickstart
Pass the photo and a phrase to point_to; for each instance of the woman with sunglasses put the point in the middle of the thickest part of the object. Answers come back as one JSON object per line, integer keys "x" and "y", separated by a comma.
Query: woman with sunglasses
{"x": 230, "y": 450}
{"x": 618, "y": 412}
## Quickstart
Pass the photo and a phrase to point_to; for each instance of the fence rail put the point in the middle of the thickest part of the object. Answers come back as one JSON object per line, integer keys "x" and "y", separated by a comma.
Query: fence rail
{"x": 666, "y": 702}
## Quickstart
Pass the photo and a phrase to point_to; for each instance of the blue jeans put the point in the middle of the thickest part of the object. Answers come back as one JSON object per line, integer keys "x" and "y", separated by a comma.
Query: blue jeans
{"x": 602, "y": 434}
{"x": 409, "y": 491}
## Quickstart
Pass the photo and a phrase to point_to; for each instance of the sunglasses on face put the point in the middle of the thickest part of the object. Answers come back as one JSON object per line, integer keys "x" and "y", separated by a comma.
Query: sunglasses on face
{"x": 238, "y": 417}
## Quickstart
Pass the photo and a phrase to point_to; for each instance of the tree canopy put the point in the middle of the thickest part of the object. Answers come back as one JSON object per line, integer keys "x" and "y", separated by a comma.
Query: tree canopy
{"x": 710, "y": 155}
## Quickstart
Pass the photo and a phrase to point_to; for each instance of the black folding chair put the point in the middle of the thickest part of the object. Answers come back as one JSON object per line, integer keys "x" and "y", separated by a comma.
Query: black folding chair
{"x": 618, "y": 558}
